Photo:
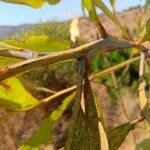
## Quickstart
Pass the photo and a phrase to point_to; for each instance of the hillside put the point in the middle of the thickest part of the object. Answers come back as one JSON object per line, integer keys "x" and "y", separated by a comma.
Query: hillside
{"x": 87, "y": 29}
{"x": 10, "y": 31}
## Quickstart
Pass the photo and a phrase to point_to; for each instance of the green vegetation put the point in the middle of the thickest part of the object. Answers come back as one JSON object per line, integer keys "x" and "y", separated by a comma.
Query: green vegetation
{"x": 44, "y": 46}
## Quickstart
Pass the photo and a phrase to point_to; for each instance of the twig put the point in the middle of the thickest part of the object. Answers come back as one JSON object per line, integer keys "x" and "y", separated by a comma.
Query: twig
{"x": 23, "y": 54}
{"x": 88, "y": 50}
{"x": 71, "y": 89}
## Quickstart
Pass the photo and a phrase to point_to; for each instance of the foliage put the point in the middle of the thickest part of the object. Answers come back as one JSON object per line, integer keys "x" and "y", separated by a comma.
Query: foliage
{"x": 53, "y": 29}
{"x": 46, "y": 44}
{"x": 86, "y": 129}
{"x": 44, "y": 133}
{"x": 32, "y": 3}
{"x": 21, "y": 98}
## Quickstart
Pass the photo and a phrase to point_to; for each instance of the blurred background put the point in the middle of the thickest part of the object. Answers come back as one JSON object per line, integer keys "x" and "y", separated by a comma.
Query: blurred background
{"x": 119, "y": 103}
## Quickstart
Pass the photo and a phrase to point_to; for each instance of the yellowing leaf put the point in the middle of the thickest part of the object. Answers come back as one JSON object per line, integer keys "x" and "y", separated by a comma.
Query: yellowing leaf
{"x": 44, "y": 133}
{"x": 117, "y": 135}
{"x": 90, "y": 6}
{"x": 104, "y": 8}
{"x": 112, "y": 3}
{"x": 135, "y": 51}
{"x": 103, "y": 137}
{"x": 74, "y": 30}
{"x": 7, "y": 61}
{"x": 14, "y": 96}
{"x": 144, "y": 104}
{"x": 4, "y": 46}
{"x": 40, "y": 43}
{"x": 32, "y": 3}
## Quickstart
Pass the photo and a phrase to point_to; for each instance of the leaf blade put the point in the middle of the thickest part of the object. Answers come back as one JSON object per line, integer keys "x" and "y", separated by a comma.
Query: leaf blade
{"x": 44, "y": 133}
{"x": 14, "y": 96}
{"x": 117, "y": 135}
{"x": 46, "y": 44}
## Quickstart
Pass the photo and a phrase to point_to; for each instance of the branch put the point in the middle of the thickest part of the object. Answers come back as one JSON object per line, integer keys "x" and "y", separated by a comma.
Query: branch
{"x": 23, "y": 54}
{"x": 73, "y": 88}
{"x": 88, "y": 50}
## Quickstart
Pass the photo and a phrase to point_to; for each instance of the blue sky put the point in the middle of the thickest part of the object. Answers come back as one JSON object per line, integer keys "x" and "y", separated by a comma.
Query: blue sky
{"x": 12, "y": 14}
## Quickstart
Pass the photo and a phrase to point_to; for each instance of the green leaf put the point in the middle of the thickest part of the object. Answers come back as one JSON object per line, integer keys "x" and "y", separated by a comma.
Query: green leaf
{"x": 146, "y": 32}
{"x": 7, "y": 61}
{"x": 44, "y": 133}
{"x": 4, "y": 46}
{"x": 91, "y": 117}
{"x": 117, "y": 135}
{"x": 32, "y": 3}
{"x": 104, "y": 8}
{"x": 113, "y": 2}
{"x": 83, "y": 130}
{"x": 40, "y": 43}
{"x": 90, "y": 6}
{"x": 77, "y": 131}
{"x": 14, "y": 96}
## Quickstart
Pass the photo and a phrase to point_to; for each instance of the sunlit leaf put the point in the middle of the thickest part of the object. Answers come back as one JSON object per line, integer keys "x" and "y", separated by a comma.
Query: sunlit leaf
{"x": 90, "y": 6}
{"x": 32, "y": 3}
{"x": 113, "y": 2}
{"x": 44, "y": 133}
{"x": 117, "y": 135}
{"x": 7, "y": 61}
{"x": 146, "y": 32}
{"x": 101, "y": 126}
{"x": 4, "y": 46}
{"x": 40, "y": 43}
{"x": 144, "y": 104}
{"x": 104, "y": 8}
{"x": 14, "y": 96}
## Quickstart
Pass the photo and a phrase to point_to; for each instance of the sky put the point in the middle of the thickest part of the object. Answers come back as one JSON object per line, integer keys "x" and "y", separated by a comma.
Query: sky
{"x": 12, "y": 14}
